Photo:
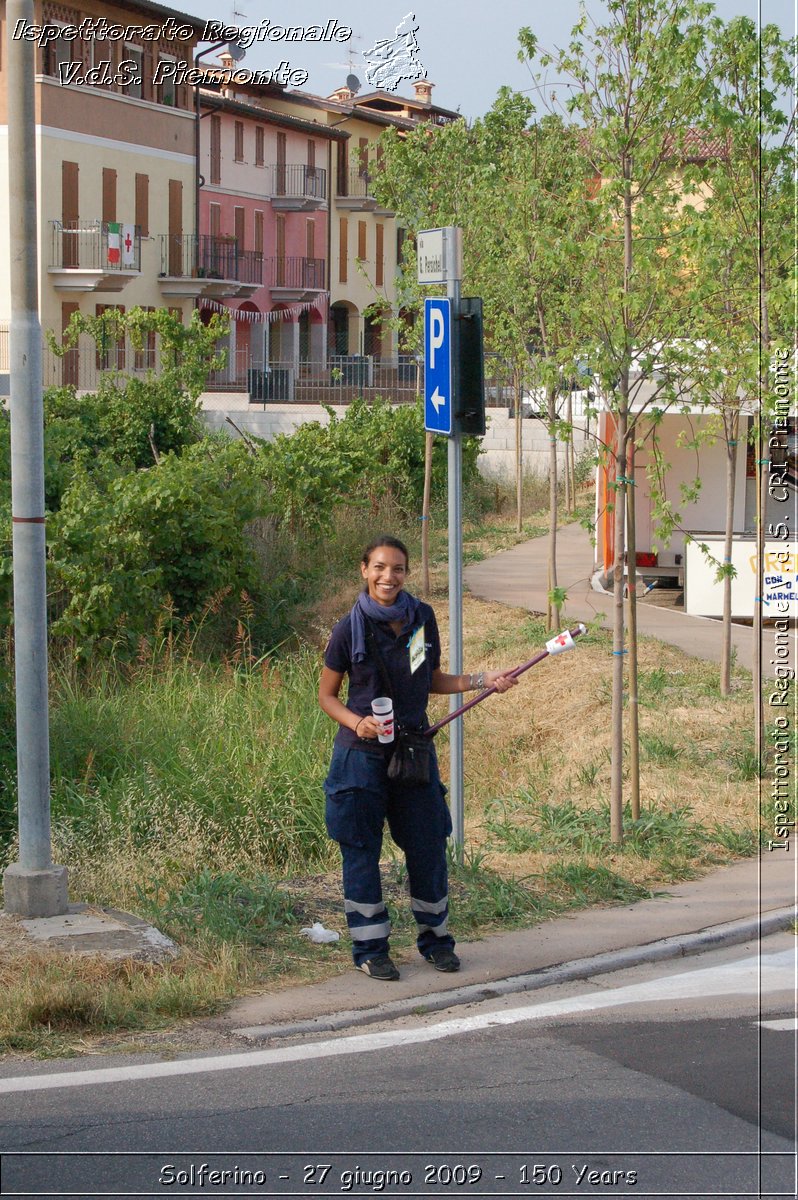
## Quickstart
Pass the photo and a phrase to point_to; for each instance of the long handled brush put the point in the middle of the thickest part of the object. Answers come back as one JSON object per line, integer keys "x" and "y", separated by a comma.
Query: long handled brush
{"x": 563, "y": 641}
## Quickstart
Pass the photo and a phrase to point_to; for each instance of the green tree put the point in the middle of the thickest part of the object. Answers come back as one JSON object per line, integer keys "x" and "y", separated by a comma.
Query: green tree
{"x": 636, "y": 90}
{"x": 752, "y": 201}
{"x": 519, "y": 193}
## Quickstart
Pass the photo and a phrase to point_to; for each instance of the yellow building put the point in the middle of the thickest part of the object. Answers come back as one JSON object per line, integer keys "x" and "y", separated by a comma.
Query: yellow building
{"x": 116, "y": 160}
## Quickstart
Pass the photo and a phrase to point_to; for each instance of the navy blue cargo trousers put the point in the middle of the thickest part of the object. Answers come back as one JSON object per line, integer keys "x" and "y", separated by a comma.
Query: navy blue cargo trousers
{"x": 360, "y": 798}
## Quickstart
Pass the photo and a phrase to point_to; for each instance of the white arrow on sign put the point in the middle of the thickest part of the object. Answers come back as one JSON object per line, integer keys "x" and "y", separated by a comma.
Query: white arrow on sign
{"x": 436, "y": 399}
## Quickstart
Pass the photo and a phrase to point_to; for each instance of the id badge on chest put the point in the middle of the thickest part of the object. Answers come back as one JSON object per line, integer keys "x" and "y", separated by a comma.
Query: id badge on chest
{"x": 418, "y": 651}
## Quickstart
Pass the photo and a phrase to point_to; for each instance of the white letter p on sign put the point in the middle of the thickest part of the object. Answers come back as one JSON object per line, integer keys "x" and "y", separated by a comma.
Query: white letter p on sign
{"x": 436, "y": 331}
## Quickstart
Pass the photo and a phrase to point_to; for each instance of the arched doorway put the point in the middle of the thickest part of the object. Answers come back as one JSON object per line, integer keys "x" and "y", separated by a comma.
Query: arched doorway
{"x": 373, "y": 334}
{"x": 342, "y": 331}
{"x": 248, "y": 334}
{"x": 283, "y": 340}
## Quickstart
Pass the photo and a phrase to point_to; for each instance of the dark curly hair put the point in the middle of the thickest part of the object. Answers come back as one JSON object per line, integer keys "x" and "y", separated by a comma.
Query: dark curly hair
{"x": 385, "y": 540}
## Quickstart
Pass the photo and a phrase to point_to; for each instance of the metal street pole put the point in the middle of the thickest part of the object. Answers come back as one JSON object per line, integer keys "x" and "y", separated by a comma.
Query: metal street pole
{"x": 455, "y": 500}
{"x": 33, "y": 887}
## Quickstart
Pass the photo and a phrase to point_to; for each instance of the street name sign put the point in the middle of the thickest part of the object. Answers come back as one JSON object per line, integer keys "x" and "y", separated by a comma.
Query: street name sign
{"x": 438, "y": 365}
{"x": 439, "y": 254}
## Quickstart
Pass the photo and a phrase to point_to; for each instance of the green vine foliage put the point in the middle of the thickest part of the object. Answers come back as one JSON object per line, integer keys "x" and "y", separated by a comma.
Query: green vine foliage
{"x": 150, "y": 520}
{"x": 374, "y": 454}
{"x": 125, "y": 547}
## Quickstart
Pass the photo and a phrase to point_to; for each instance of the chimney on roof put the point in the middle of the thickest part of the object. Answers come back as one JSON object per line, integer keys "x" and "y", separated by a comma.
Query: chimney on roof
{"x": 423, "y": 89}
{"x": 227, "y": 60}
{"x": 343, "y": 94}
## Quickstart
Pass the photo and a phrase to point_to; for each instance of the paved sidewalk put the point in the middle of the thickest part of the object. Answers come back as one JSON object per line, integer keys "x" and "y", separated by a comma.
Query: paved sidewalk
{"x": 729, "y": 906}
{"x": 518, "y": 577}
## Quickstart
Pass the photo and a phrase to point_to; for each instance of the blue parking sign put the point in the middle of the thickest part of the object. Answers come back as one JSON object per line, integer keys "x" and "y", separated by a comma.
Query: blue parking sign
{"x": 438, "y": 365}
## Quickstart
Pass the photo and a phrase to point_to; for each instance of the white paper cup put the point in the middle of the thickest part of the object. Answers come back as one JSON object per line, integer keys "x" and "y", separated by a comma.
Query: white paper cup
{"x": 382, "y": 707}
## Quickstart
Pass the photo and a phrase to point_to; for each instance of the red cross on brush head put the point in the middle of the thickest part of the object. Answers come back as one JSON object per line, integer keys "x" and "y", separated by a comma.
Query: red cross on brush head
{"x": 561, "y": 640}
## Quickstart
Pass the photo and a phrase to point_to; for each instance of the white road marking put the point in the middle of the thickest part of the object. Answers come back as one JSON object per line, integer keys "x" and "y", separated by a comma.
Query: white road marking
{"x": 772, "y": 972}
{"x": 788, "y": 1023}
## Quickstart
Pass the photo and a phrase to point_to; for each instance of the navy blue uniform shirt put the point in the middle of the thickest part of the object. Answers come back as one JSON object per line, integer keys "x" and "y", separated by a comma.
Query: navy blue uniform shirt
{"x": 410, "y": 689}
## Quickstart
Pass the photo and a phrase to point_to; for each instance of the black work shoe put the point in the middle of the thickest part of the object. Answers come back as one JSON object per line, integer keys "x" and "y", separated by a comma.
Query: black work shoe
{"x": 443, "y": 958}
{"x": 380, "y": 967}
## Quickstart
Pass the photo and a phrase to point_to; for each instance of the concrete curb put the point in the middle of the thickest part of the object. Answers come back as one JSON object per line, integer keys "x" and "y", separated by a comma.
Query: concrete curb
{"x": 681, "y": 945}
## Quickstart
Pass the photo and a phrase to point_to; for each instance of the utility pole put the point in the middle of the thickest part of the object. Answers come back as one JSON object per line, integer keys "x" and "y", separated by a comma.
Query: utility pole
{"x": 440, "y": 260}
{"x": 33, "y": 887}
{"x": 455, "y": 505}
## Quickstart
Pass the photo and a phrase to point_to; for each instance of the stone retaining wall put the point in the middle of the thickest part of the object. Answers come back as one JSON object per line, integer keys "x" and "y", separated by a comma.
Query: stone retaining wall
{"x": 498, "y": 445}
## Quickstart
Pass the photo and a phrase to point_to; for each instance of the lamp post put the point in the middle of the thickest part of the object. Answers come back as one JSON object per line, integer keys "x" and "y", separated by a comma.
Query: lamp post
{"x": 33, "y": 887}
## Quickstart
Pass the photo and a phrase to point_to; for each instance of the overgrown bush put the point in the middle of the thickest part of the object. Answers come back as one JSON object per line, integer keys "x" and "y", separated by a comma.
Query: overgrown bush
{"x": 374, "y": 454}
{"x": 147, "y": 516}
{"x": 124, "y": 547}
{"x": 126, "y": 422}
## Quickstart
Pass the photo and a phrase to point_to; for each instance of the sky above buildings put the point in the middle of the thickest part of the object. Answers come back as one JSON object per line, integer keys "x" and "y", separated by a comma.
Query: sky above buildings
{"x": 468, "y": 47}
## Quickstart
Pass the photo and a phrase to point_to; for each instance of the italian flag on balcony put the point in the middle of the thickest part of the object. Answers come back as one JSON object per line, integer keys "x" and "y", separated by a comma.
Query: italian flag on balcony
{"x": 128, "y": 245}
{"x": 114, "y": 243}
{"x": 121, "y": 244}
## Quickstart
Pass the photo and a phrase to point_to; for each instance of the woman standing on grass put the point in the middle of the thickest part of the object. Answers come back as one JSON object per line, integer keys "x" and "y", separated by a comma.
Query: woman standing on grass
{"x": 387, "y": 622}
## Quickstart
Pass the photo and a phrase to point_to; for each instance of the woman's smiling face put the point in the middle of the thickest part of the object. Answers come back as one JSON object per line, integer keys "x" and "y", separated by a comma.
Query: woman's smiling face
{"x": 385, "y": 574}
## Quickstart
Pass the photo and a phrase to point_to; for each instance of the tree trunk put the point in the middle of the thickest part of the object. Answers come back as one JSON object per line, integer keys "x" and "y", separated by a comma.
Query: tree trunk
{"x": 425, "y": 514}
{"x": 761, "y": 507}
{"x": 732, "y": 423}
{"x": 519, "y": 456}
{"x": 552, "y": 605}
{"x": 569, "y": 499}
{"x": 618, "y": 649}
{"x": 631, "y": 578}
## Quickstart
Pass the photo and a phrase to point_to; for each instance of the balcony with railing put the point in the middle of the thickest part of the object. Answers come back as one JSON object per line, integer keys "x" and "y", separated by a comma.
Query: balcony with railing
{"x": 93, "y": 256}
{"x": 296, "y": 187}
{"x": 208, "y": 266}
{"x": 355, "y": 191}
{"x": 295, "y": 278}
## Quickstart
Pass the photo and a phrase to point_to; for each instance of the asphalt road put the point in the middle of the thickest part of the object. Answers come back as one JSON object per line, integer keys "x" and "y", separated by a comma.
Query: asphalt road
{"x": 661, "y": 1080}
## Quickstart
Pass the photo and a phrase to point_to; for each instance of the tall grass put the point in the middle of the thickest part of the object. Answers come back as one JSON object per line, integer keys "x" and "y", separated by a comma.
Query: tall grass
{"x": 181, "y": 764}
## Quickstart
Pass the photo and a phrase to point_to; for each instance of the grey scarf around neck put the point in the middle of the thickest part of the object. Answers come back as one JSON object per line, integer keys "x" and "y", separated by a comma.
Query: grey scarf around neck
{"x": 406, "y": 609}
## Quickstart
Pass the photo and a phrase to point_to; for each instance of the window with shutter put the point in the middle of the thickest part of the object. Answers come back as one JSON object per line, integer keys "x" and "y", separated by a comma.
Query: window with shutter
{"x": 109, "y": 194}
{"x": 70, "y": 215}
{"x": 143, "y": 204}
{"x": 343, "y": 249}
{"x": 379, "y": 261}
{"x": 216, "y": 149}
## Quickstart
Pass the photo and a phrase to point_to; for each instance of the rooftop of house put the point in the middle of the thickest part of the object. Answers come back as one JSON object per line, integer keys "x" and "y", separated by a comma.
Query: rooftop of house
{"x": 692, "y": 146}
{"x": 213, "y": 99}
{"x": 377, "y": 108}
{"x": 150, "y": 8}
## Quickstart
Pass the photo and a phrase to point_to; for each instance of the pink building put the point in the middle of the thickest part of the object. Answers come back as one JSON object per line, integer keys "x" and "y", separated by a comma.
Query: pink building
{"x": 263, "y": 204}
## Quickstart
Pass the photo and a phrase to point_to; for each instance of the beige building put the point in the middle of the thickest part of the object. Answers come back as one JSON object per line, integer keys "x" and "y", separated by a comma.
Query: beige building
{"x": 115, "y": 164}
